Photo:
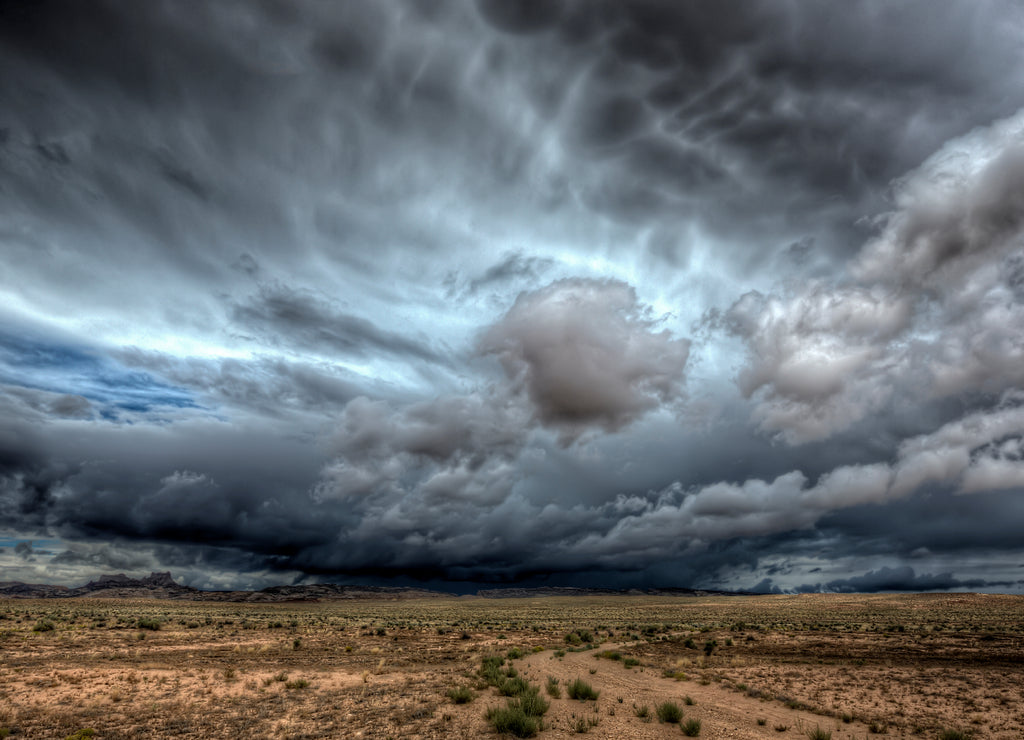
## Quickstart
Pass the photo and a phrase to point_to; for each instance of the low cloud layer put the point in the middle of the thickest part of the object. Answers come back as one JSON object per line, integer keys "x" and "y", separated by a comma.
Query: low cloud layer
{"x": 566, "y": 292}
{"x": 903, "y": 579}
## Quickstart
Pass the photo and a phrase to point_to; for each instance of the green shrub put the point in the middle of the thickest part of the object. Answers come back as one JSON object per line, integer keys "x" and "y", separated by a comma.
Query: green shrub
{"x": 461, "y": 695}
{"x": 148, "y": 624}
{"x": 514, "y": 721}
{"x": 531, "y": 703}
{"x": 581, "y": 690}
{"x": 515, "y": 653}
{"x": 490, "y": 669}
{"x": 669, "y": 711}
{"x": 956, "y": 735}
{"x": 643, "y": 712}
{"x": 630, "y": 662}
{"x": 688, "y": 701}
{"x": 83, "y": 734}
{"x": 691, "y": 727}
{"x": 513, "y": 686}
{"x": 819, "y": 734}
{"x": 578, "y": 637}
{"x": 44, "y": 625}
{"x": 553, "y": 689}
{"x": 299, "y": 683}
{"x": 709, "y": 647}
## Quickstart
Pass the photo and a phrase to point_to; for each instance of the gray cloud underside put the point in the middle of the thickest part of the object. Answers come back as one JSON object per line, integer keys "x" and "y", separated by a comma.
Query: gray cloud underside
{"x": 461, "y": 290}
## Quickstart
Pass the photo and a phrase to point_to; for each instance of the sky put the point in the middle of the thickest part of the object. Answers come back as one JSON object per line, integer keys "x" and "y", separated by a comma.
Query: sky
{"x": 513, "y": 292}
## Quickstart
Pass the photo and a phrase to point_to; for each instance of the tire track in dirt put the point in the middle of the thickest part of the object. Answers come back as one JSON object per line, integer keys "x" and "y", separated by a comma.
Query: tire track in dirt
{"x": 723, "y": 713}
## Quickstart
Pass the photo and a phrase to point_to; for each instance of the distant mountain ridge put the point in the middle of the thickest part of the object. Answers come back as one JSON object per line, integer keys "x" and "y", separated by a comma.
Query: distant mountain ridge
{"x": 163, "y": 586}
{"x": 155, "y": 585}
{"x": 540, "y": 591}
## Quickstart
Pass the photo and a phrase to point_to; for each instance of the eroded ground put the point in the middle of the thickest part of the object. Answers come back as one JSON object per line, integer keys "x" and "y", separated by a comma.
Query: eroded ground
{"x": 746, "y": 667}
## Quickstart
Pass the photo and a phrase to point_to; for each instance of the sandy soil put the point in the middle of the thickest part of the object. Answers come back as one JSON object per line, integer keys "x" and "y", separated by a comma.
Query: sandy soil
{"x": 855, "y": 666}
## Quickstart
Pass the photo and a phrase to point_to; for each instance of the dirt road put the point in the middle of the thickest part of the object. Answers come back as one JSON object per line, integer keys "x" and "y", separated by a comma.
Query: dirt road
{"x": 723, "y": 712}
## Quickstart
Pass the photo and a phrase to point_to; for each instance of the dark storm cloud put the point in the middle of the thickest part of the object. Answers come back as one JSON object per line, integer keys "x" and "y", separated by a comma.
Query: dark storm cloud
{"x": 274, "y": 385}
{"x": 190, "y": 484}
{"x": 701, "y": 107}
{"x": 515, "y": 267}
{"x": 264, "y": 385}
{"x": 402, "y": 289}
{"x": 521, "y": 16}
{"x": 954, "y": 529}
{"x": 901, "y": 579}
{"x": 307, "y": 321}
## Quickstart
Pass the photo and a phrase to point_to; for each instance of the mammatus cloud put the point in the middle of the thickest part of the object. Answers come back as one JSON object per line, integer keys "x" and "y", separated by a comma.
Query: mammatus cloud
{"x": 587, "y": 354}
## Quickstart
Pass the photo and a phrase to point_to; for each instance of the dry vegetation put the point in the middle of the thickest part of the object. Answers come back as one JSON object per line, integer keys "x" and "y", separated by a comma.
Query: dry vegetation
{"x": 823, "y": 666}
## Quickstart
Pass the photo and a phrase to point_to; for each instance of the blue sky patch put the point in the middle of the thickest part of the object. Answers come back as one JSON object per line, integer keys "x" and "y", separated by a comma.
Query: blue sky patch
{"x": 62, "y": 368}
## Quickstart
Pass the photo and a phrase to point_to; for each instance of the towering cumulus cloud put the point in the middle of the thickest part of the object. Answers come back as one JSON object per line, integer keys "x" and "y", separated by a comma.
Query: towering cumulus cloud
{"x": 588, "y": 355}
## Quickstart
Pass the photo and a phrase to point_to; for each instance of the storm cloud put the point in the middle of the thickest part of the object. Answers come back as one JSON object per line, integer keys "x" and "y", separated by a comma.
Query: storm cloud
{"x": 567, "y": 292}
{"x": 586, "y": 354}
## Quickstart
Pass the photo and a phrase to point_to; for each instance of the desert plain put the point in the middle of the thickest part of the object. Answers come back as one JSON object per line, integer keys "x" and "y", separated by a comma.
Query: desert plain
{"x": 937, "y": 666}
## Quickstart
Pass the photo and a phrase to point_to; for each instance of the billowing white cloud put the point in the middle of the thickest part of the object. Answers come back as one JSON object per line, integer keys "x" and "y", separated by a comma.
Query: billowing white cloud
{"x": 930, "y": 307}
{"x": 588, "y": 354}
{"x": 964, "y": 203}
{"x": 818, "y": 361}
